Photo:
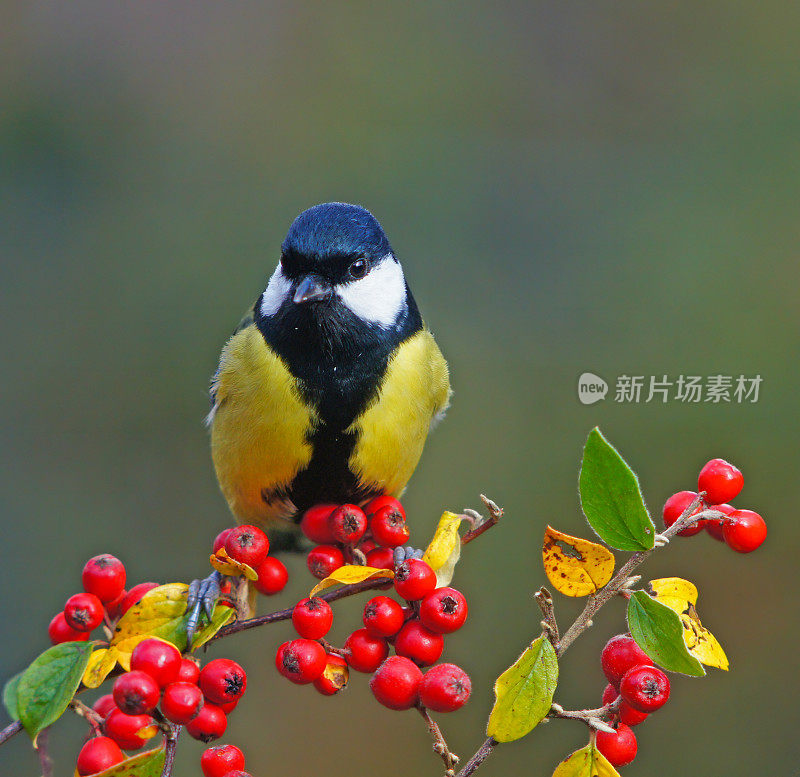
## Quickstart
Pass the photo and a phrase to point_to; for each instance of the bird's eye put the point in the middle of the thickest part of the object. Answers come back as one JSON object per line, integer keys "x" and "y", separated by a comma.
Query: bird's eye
{"x": 357, "y": 269}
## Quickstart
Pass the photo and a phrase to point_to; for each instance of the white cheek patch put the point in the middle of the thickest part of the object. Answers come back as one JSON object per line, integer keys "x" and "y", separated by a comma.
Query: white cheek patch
{"x": 276, "y": 293}
{"x": 380, "y": 296}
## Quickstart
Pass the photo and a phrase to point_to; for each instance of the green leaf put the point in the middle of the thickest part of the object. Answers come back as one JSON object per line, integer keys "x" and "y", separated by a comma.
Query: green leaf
{"x": 524, "y": 692}
{"x": 10, "y": 696}
{"x": 147, "y": 764}
{"x": 49, "y": 683}
{"x": 586, "y": 762}
{"x": 658, "y": 631}
{"x": 611, "y": 499}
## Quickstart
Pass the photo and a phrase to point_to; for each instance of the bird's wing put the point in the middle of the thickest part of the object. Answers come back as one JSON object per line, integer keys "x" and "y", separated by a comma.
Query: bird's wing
{"x": 246, "y": 321}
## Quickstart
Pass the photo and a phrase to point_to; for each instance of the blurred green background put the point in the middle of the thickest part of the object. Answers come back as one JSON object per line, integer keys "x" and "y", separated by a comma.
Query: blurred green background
{"x": 611, "y": 188}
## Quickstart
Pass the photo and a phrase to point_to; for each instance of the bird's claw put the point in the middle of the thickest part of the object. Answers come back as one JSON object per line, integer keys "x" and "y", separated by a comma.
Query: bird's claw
{"x": 202, "y": 598}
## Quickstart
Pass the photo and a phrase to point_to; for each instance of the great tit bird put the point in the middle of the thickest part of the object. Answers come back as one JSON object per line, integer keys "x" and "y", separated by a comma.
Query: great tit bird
{"x": 328, "y": 388}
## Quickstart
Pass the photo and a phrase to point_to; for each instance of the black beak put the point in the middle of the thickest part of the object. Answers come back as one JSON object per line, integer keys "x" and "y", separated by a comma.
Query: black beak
{"x": 312, "y": 288}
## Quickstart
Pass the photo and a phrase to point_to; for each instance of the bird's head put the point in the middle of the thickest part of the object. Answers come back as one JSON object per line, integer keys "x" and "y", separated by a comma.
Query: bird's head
{"x": 336, "y": 262}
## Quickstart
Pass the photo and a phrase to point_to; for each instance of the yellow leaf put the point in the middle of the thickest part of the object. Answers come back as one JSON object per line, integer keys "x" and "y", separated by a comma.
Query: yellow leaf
{"x": 101, "y": 662}
{"x": 162, "y": 613}
{"x": 147, "y": 764}
{"x": 681, "y": 596}
{"x": 586, "y": 762}
{"x": 524, "y": 692}
{"x": 574, "y": 566}
{"x": 445, "y": 548}
{"x": 349, "y": 574}
{"x": 225, "y": 565}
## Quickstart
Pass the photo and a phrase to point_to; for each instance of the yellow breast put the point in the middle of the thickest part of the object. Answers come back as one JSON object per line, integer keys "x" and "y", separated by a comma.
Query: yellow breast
{"x": 391, "y": 432}
{"x": 259, "y": 428}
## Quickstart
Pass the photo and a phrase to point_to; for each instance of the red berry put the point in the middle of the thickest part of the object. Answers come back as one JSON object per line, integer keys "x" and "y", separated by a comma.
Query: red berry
{"x": 366, "y": 652}
{"x": 134, "y": 596}
{"x": 218, "y": 761}
{"x": 60, "y": 631}
{"x": 130, "y": 732}
{"x": 188, "y": 672}
{"x": 420, "y": 644}
{"x": 645, "y": 688}
{"x": 620, "y": 654}
{"x": 247, "y": 545}
{"x": 380, "y": 558}
{"x": 302, "y": 660}
{"x": 113, "y": 607}
{"x": 334, "y": 677}
{"x": 744, "y": 530}
{"x": 209, "y": 724}
{"x": 314, "y": 523}
{"x": 720, "y": 480}
{"x": 714, "y": 527}
{"x": 347, "y": 524}
{"x": 161, "y": 660}
{"x": 229, "y": 707}
{"x": 445, "y": 688}
{"x": 396, "y": 683}
{"x": 221, "y": 539}
{"x": 104, "y": 705}
{"x": 620, "y": 747}
{"x": 627, "y": 714}
{"x": 312, "y": 618}
{"x": 389, "y": 527}
{"x": 104, "y": 576}
{"x": 414, "y": 579}
{"x": 272, "y": 576}
{"x": 324, "y": 560}
{"x": 379, "y": 502}
{"x": 445, "y": 610}
{"x": 97, "y": 755}
{"x": 383, "y": 616}
{"x": 83, "y": 612}
{"x": 673, "y": 509}
{"x": 365, "y": 546}
{"x": 222, "y": 681}
{"x": 136, "y": 693}
{"x": 181, "y": 702}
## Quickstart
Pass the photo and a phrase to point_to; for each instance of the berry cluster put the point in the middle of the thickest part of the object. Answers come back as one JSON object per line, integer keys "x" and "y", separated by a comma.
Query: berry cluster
{"x": 742, "y": 530}
{"x": 162, "y": 685}
{"x": 414, "y": 627}
{"x": 638, "y": 686}
{"x": 249, "y": 545}
{"x": 103, "y": 600}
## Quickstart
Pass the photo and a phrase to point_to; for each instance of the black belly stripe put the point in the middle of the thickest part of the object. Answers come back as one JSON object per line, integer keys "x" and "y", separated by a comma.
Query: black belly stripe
{"x": 339, "y": 362}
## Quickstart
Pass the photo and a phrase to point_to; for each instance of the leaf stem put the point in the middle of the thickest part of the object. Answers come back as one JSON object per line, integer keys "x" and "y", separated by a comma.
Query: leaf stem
{"x": 545, "y": 601}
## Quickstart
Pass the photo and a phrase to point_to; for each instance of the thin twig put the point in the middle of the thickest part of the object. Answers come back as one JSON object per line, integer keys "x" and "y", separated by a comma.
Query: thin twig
{"x": 618, "y": 582}
{"x": 495, "y": 514}
{"x": 170, "y": 747}
{"x": 283, "y": 615}
{"x": 545, "y": 601}
{"x": 79, "y": 708}
{"x": 45, "y": 761}
{"x": 440, "y": 747}
{"x": 12, "y": 729}
{"x": 483, "y": 752}
{"x": 595, "y": 719}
